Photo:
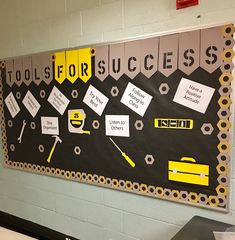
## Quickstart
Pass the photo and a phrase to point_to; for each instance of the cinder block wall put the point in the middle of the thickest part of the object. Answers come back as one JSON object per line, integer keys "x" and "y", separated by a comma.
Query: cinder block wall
{"x": 80, "y": 210}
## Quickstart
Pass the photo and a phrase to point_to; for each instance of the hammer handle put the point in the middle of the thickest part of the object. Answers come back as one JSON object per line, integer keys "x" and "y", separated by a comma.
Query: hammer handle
{"x": 51, "y": 153}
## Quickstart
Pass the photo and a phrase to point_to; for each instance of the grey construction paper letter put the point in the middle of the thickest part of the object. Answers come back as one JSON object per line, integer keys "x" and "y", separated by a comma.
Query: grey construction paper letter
{"x": 116, "y": 60}
{"x": 9, "y": 72}
{"x": 18, "y": 71}
{"x": 211, "y": 48}
{"x": 189, "y": 51}
{"x": 47, "y": 73}
{"x": 102, "y": 62}
{"x": 27, "y": 70}
{"x": 132, "y": 59}
{"x": 37, "y": 68}
{"x": 168, "y": 54}
{"x": 149, "y": 56}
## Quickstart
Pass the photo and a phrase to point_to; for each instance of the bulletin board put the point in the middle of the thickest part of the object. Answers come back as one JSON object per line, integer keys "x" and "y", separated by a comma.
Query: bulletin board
{"x": 149, "y": 116}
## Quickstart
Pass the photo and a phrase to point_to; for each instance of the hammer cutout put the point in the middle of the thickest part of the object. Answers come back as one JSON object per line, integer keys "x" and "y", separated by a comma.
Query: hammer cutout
{"x": 57, "y": 139}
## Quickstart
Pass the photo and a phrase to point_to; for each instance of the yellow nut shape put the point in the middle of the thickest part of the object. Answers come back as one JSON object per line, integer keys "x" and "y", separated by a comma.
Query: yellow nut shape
{"x": 175, "y": 195}
{"x": 2, "y": 64}
{"x": 102, "y": 179}
{"x": 213, "y": 201}
{"x": 159, "y": 192}
{"x": 193, "y": 197}
{"x": 228, "y": 30}
{"x": 115, "y": 183}
{"x": 221, "y": 190}
{"x": 226, "y": 78}
{"x": 224, "y": 102}
{"x": 78, "y": 175}
{"x": 223, "y": 125}
{"x": 143, "y": 188}
{"x": 90, "y": 178}
{"x": 228, "y": 54}
{"x": 48, "y": 170}
{"x": 57, "y": 172}
{"x": 129, "y": 185}
{"x": 93, "y": 52}
{"x": 224, "y": 147}
{"x": 222, "y": 168}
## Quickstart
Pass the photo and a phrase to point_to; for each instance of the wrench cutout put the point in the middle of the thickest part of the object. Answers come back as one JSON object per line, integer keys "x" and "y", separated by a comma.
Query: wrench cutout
{"x": 22, "y": 131}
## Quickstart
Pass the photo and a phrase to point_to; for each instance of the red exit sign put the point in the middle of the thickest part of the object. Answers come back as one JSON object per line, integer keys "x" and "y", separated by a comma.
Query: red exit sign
{"x": 186, "y": 3}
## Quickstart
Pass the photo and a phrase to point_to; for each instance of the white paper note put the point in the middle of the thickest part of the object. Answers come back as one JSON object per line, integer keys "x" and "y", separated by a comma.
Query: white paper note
{"x": 12, "y": 105}
{"x": 117, "y": 125}
{"x": 136, "y": 99}
{"x": 96, "y": 100}
{"x": 193, "y": 95}
{"x": 58, "y": 100}
{"x": 31, "y": 104}
{"x": 50, "y": 125}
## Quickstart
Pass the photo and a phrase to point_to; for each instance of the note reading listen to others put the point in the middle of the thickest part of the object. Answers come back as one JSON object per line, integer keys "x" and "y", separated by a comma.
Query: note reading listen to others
{"x": 117, "y": 125}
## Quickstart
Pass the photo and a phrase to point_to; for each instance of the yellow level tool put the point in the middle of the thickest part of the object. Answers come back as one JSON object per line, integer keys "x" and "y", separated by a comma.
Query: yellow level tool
{"x": 173, "y": 123}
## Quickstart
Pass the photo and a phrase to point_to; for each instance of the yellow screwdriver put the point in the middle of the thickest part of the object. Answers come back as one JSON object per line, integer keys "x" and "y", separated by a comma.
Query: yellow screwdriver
{"x": 123, "y": 154}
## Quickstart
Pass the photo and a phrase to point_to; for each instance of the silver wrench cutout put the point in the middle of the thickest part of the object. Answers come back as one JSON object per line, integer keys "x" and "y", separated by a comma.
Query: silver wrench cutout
{"x": 22, "y": 131}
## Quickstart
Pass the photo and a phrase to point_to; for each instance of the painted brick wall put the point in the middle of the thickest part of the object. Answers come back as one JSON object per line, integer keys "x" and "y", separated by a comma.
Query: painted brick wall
{"x": 80, "y": 210}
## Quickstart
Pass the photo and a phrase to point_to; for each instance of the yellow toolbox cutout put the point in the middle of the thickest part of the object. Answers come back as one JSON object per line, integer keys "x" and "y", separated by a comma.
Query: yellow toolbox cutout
{"x": 188, "y": 171}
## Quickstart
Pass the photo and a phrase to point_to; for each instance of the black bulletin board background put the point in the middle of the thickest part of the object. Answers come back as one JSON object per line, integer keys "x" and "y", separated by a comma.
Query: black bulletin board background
{"x": 98, "y": 155}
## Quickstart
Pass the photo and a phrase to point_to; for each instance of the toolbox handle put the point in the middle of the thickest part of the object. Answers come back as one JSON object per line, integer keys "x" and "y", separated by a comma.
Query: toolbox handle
{"x": 189, "y": 159}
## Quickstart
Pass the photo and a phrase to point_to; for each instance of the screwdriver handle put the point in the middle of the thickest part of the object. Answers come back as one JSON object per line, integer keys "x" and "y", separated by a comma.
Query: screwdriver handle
{"x": 128, "y": 160}
{"x": 86, "y": 132}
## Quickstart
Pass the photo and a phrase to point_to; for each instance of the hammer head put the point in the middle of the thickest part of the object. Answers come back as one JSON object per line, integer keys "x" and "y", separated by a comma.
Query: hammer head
{"x": 57, "y": 138}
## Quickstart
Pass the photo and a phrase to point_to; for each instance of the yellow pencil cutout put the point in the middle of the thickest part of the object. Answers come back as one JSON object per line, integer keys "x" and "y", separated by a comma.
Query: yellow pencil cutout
{"x": 128, "y": 159}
